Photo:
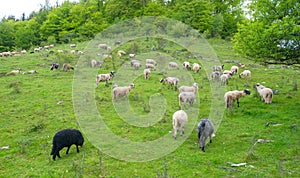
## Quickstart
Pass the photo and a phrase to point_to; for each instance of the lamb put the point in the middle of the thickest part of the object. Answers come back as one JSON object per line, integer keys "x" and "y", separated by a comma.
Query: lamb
{"x": 193, "y": 88}
{"x": 14, "y": 72}
{"x": 234, "y": 69}
{"x": 196, "y": 67}
{"x": 180, "y": 117}
{"x": 246, "y": 73}
{"x": 218, "y": 68}
{"x": 151, "y": 61}
{"x": 186, "y": 97}
{"x": 172, "y": 81}
{"x": 121, "y": 91}
{"x": 265, "y": 93}
{"x": 173, "y": 65}
{"x": 104, "y": 77}
{"x": 150, "y": 66}
{"x": 186, "y": 65}
{"x": 205, "y": 130}
{"x": 66, "y": 138}
{"x": 54, "y": 66}
{"x": 67, "y": 67}
{"x": 235, "y": 95}
{"x": 147, "y": 73}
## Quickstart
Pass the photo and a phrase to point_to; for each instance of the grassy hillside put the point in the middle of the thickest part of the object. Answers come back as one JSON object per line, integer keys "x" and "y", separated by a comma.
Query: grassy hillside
{"x": 34, "y": 107}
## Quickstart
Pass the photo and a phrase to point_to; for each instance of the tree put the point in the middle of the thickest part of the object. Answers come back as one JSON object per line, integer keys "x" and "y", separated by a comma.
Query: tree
{"x": 273, "y": 32}
{"x": 7, "y": 35}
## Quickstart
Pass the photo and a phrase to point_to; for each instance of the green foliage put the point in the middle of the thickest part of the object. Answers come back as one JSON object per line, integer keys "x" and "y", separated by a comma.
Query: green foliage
{"x": 272, "y": 34}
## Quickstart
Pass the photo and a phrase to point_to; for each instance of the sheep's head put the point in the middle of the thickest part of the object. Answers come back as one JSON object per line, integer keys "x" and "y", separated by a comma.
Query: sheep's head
{"x": 131, "y": 85}
{"x": 162, "y": 80}
{"x": 247, "y": 91}
{"x": 112, "y": 73}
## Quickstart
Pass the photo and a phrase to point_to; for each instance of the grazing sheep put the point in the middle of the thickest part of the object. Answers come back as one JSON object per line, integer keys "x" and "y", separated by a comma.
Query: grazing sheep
{"x": 51, "y": 46}
{"x": 23, "y": 51}
{"x": 118, "y": 42}
{"x": 54, "y": 66}
{"x": 133, "y": 61}
{"x": 131, "y": 55}
{"x": 180, "y": 117}
{"x": 72, "y": 52}
{"x": 215, "y": 75}
{"x": 150, "y": 66}
{"x": 224, "y": 79}
{"x": 186, "y": 65}
{"x": 72, "y": 45}
{"x": 193, "y": 88}
{"x": 172, "y": 81}
{"x": 102, "y": 46}
{"x": 80, "y": 52}
{"x": 106, "y": 57}
{"x": 121, "y": 53}
{"x": 196, "y": 67}
{"x": 122, "y": 91}
{"x": 235, "y": 95}
{"x": 234, "y": 69}
{"x": 67, "y": 67}
{"x": 66, "y": 138}
{"x": 95, "y": 63}
{"x": 14, "y": 72}
{"x": 241, "y": 65}
{"x": 173, "y": 65}
{"x": 60, "y": 51}
{"x": 228, "y": 73}
{"x": 37, "y": 49}
{"x": 246, "y": 73}
{"x": 32, "y": 72}
{"x": 218, "y": 68}
{"x": 205, "y": 130}
{"x": 184, "y": 97}
{"x": 147, "y": 73}
{"x": 104, "y": 77}
{"x": 151, "y": 61}
{"x": 46, "y": 47}
{"x": 265, "y": 93}
{"x": 136, "y": 65}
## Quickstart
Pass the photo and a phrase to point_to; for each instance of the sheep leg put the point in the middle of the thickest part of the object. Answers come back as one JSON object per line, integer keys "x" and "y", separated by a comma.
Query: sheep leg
{"x": 68, "y": 149}
{"x": 210, "y": 140}
{"x": 238, "y": 103}
{"x": 77, "y": 148}
{"x": 106, "y": 84}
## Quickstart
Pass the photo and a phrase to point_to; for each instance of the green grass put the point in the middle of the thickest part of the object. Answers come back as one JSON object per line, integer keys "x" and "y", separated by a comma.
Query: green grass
{"x": 30, "y": 116}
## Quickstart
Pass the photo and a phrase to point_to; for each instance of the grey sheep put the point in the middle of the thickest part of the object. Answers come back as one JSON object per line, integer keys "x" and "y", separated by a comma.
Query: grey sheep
{"x": 121, "y": 91}
{"x": 67, "y": 67}
{"x": 205, "y": 130}
{"x": 185, "y": 97}
{"x": 66, "y": 138}
{"x": 193, "y": 88}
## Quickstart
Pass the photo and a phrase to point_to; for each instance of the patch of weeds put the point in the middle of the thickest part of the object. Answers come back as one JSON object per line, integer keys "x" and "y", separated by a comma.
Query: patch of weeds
{"x": 37, "y": 127}
{"x": 16, "y": 87}
{"x": 23, "y": 143}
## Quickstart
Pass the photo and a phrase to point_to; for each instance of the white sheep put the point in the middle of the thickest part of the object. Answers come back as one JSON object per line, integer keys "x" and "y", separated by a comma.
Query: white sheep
{"x": 72, "y": 45}
{"x": 93, "y": 63}
{"x": 80, "y": 52}
{"x": 23, "y": 51}
{"x": 106, "y": 57}
{"x": 60, "y": 51}
{"x": 102, "y": 46}
{"x": 205, "y": 130}
{"x": 234, "y": 69}
{"x": 228, "y": 73}
{"x": 246, "y": 73}
{"x": 231, "y": 96}
{"x": 51, "y": 46}
{"x": 147, "y": 73}
{"x": 131, "y": 55}
{"x": 14, "y": 72}
{"x": 224, "y": 79}
{"x": 185, "y": 97}
{"x": 121, "y": 91}
{"x": 71, "y": 52}
{"x": 32, "y": 72}
{"x": 241, "y": 65}
{"x": 173, "y": 65}
{"x": 133, "y": 61}
{"x": 193, "y": 88}
{"x": 179, "y": 119}
{"x": 151, "y": 61}
{"x": 136, "y": 65}
{"x": 172, "y": 81}
{"x": 150, "y": 66}
{"x": 104, "y": 78}
{"x": 265, "y": 93}
{"x": 218, "y": 68}
{"x": 196, "y": 67}
{"x": 186, "y": 65}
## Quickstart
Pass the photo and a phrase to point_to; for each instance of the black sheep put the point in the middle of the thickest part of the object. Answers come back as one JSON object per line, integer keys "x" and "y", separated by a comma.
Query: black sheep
{"x": 66, "y": 138}
{"x": 54, "y": 66}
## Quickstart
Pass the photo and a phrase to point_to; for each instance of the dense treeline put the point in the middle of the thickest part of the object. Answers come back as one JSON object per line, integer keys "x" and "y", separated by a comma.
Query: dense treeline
{"x": 272, "y": 23}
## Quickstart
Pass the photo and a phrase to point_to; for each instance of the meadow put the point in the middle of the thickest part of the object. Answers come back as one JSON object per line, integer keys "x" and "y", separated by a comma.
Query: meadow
{"x": 34, "y": 107}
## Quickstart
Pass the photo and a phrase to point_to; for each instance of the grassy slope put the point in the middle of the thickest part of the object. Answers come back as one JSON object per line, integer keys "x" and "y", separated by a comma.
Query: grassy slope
{"x": 30, "y": 116}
